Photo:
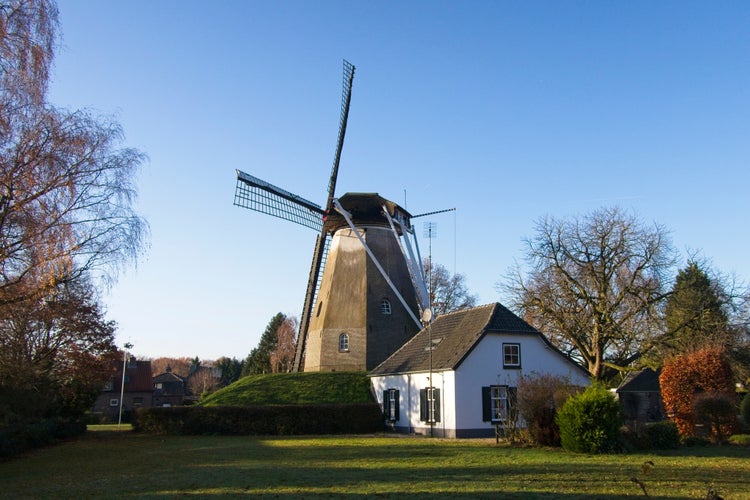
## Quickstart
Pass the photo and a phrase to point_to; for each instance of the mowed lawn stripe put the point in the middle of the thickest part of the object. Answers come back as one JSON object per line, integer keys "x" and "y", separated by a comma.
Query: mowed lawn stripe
{"x": 123, "y": 464}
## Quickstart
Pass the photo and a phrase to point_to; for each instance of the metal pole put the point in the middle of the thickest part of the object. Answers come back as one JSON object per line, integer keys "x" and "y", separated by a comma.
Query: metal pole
{"x": 427, "y": 320}
{"x": 432, "y": 389}
{"x": 127, "y": 346}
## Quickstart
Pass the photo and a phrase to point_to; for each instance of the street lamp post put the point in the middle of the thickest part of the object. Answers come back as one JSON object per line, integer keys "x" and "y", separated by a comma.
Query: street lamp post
{"x": 127, "y": 346}
{"x": 426, "y": 320}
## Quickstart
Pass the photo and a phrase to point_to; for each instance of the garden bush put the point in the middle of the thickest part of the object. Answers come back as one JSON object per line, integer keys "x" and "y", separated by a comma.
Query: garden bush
{"x": 654, "y": 436}
{"x": 705, "y": 370}
{"x": 590, "y": 422}
{"x": 740, "y": 439}
{"x": 745, "y": 412}
{"x": 27, "y": 435}
{"x": 539, "y": 395}
{"x": 717, "y": 413}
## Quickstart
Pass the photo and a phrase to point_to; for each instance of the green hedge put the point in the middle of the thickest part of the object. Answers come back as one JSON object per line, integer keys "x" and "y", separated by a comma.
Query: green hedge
{"x": 356, "y": 418}
{"x": 24, "y": 436}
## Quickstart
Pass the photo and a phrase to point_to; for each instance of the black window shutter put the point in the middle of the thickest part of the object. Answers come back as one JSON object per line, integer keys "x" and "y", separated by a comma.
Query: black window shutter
{"x": 396, "y": 413}
{"x": 423, "y": 410}
{"x": 437, "y": 404}
{"x": 386, "y": 404}
{"x": 486, "y": 405}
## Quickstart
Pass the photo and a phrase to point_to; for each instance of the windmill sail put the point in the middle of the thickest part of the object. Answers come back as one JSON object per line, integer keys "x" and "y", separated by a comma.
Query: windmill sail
{"x": 358, "y": 268}
{"x": 258, "y": 195}
{"x": 322, "y": 243}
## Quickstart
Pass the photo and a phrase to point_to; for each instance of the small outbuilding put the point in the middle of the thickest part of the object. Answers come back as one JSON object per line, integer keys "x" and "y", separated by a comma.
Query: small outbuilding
{"x": 457, "y": 376}
{"x": 169, "y": 389}
{"x": 640, "y": 396}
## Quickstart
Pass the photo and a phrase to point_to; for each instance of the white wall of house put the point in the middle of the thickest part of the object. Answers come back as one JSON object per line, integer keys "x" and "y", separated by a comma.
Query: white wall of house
{"x": 484, "y": 367}
{"x": 409, "y": 386}
{"x": 461, "y": 391}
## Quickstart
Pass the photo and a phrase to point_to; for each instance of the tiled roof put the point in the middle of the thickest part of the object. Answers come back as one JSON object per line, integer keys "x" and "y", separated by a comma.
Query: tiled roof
{"x": 646, "y": 380}
{"x": 168, "y": 377}
{"x": 453, "y": 336}
{"x": 139, "y": 375}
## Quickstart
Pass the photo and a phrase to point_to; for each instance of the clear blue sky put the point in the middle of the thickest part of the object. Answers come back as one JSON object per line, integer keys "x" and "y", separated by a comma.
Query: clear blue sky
{"x": 509, "y": 111}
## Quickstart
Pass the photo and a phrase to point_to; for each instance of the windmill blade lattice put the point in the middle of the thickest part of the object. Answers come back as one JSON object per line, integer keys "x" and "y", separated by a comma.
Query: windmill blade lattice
{"x": 258, "y": 195}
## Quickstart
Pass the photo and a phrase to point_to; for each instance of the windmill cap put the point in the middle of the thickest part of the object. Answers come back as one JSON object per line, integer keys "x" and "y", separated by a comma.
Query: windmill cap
{"x": 366, "y": 209}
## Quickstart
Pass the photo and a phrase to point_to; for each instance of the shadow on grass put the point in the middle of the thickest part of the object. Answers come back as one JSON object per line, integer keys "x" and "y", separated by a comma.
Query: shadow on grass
{"x": 147, "y": 466}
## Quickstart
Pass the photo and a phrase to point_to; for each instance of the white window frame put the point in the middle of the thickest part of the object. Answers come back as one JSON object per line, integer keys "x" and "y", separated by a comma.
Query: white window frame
{"x": 499, "y": 403}
{"x": 392, "y": 404}
{"x": 114, "y": 402}
{"x": 508, "y": 355}
{"x": 385, "y": 306}
{"x": 431, "y": 404}
{"x": 344, "y": 342}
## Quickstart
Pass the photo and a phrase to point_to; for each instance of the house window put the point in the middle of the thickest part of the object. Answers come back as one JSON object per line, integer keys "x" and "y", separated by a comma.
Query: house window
{"x": 344, "y": 342}
{"x": 429, "y": 404}
{"x": 114, "y": 402}
{"x": 497, "y": 403}
{"x": 390, "y": 405}
{"x": 385, "y": 306}
{"x": 138, "y": 401}
{"x": 511, "y": 355}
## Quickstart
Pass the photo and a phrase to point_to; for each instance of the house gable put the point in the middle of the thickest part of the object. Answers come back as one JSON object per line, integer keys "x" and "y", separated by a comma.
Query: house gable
{"x": 468, "y": 356}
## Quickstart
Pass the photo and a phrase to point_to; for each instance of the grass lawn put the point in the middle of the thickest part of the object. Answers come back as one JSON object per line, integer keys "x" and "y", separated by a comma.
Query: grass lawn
{"x": 111, "y": 464}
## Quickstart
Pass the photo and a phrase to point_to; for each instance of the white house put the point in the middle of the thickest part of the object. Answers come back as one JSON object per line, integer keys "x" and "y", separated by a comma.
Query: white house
{"x": 460, "y": 388}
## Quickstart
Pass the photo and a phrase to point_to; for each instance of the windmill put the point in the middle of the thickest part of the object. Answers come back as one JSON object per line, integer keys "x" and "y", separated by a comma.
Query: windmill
{"x": 366, "y": 288}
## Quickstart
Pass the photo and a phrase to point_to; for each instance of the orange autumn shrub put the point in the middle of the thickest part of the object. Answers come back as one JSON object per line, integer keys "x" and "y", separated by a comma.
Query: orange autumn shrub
{"x": 706, "y": 370}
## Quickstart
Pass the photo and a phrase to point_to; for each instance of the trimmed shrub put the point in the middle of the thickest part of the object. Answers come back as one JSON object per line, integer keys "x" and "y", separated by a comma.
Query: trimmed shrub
{"x": 261, "y": 420}
{"x": 740, "y": 439}
{"x": 655, "y": 436}
{"x": 745, "y": 411}
{"x": 717, "y": 413}
{"x": 684, "y": 376}
{"x": 24, "y": 436}
{"x": 590, "y": 422}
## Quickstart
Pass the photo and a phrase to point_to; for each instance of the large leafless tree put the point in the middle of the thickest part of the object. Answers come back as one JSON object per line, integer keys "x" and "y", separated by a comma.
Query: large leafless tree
{"x": 66, "y": 185}
{"x": 595, "y": 286}
{"x": 67, "y": 222}
{"x": 448, "y": 292}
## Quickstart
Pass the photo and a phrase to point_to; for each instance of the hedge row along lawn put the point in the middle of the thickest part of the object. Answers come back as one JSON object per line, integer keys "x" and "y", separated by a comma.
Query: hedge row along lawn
{"x": 115, "y": 464}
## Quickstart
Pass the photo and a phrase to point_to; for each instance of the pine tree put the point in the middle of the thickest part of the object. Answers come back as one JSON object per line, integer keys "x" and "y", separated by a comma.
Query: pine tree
{"x": 695, "y": 314}
{"x": 259, "y": 359}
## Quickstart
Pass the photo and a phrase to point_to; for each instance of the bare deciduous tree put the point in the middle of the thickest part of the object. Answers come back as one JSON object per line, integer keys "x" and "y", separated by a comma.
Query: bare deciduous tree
{"x": 596, "y": 286}
{"x": 282, "y": 355}
{"x": 67, "y": 221}
{"x": 447, "y": 292}
{"x": 66, "y": 187}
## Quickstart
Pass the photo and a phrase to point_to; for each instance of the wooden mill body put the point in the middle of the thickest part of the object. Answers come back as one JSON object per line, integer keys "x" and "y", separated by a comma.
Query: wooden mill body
{"x": 352, "y": 291}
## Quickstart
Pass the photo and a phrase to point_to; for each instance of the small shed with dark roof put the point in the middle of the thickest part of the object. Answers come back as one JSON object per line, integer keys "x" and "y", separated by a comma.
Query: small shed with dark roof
{"x": 640, "y": 396}
{"x": 455, "y": 377}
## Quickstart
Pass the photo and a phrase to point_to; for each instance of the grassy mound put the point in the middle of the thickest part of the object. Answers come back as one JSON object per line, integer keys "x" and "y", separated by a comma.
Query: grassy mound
{"x": 294, "y": 388}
